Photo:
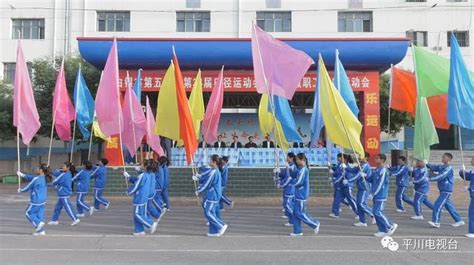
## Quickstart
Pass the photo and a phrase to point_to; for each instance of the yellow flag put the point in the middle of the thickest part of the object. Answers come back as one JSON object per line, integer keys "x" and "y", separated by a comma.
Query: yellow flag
{"x": 167, "y": 116}
{"x": 196, "y": 103}
{"x": 266, "y": 124}
{"x": 342, "y": 127}
{"x": 98, "y": 132}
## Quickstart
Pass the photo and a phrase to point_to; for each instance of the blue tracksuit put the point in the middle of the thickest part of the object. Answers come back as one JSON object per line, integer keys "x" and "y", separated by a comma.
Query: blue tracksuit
{"x": 401, "y": 179}
{"x": 99, "y": 173}
{"x": 159, "y": 183}
{"x": 341, "y": 191}
{"x": 284, "y": 180}
{"x": 152, "y": 210}
{"x": 140, "y": 191}
{"x": 63, "y": 183}
{"x": 211, "y": 188}
{"x": 379, "y": 181}
{"x": 37, "y": 188}
{"x": 421, "y": 182}
{"x": 165, "y": 194}
{"x": 225, "y": 178}
{"x": 445, "y": 179}
{"x": 301, "y": 184}
{"x": 362, "y": 192}
{"x": 83, "y": 180}
{"x": 470, "y": 177}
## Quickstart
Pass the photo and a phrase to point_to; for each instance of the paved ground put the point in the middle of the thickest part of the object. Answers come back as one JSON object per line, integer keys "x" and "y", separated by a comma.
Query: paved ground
{"x": 256, "y": 235}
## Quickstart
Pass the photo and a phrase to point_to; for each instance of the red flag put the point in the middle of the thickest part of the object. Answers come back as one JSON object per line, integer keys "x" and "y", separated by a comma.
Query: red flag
{"x": 210, "y": 123}
{"x": 63, "y": 110}
{"x": 439, "y": 110}
{"x": 186, "y": 127}
{"x": 25, "y": 114}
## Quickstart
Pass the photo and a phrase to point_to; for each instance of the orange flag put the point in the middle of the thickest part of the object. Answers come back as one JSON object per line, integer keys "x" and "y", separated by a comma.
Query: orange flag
{"x": 186, "y": 126}
{"x": 403, "y": 98}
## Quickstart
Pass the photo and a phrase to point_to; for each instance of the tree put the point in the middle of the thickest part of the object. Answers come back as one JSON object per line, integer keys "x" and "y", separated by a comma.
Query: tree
{"x": 7, "y": 131}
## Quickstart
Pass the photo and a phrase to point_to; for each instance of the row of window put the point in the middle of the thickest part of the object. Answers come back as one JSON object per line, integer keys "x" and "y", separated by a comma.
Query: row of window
{"x": 420, "y": 38}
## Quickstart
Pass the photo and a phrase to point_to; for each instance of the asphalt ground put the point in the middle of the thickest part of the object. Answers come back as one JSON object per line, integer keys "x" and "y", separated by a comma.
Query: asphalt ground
{"x": 256, "y": 235}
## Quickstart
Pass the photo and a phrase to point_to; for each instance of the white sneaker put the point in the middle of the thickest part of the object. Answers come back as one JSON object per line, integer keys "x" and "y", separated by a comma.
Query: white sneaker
{"x": 340, "y": 209}
{"x": 53, "y": 223}
{"x": 139, "y": 234}
{"x": 284, "y": 217}
{"x": 392, "y": 230}
{"x": 435, "y": 225}
{"x": 417, "y": 217}
{"x": 42, "y": 233}
{"x": 288, "y": 224}
{"x": 400, "y": 211}
{"x": 207, "y": 223}
{"x": 107, "y": 206}
{"x": 360, "y": 224}
{"x": 91, "y": 211}
{"x": 470, "y": 235}
{"x": 374, "y": 222}
{"x": 293, "y": 234}
{"x": 213, "y": 235}
{"x": 232, "y": 204}
{"x": 75, "y": 222}
{"x": 159, "y": 218}
{"x": 380, "y": 234}
{"x": 40, "y": 226}
{"x": 316, "y": 230}
{"x": 283, "y": 210}
{"x": 333, "y": 216}
{"x": 164, "y": 211}
{"x": 223, "y": 210}
{"x": 458, "y": 224}
{"x": 223, "y": 229}
{"x": 80, "y": 215}
{"x": 153, "y": 227}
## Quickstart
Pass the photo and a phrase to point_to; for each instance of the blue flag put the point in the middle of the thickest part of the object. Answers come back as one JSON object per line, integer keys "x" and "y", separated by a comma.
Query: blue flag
{"x": 84, "y": 105}
{"x": 285, "y": 117}
{"x": 461, "y": 90}
{"x": 341, "y": 81}
{"x": 316, "y": 124}
{"x": 138, "y": 85}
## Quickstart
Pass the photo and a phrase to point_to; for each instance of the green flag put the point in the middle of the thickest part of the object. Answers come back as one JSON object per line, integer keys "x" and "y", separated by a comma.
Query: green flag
{"x": 432, "y": 72}
{"x": 425, "y": 132}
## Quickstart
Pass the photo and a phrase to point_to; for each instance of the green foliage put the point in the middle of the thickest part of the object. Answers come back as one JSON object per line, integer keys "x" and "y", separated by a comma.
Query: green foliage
{"x": 7, "y": 131}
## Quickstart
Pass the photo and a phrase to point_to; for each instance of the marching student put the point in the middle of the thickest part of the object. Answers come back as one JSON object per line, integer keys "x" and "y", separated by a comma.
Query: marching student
{"x": 421, "y": 183}
{"x": 401, "y": 174}
{"x": 63, "y": 182}
{"x": 470, "y": 176}
{"x": 100, "y": 176}
{"x": 83, "y": 179}
{"x": 379, "y": 181}
{"x": 224, "y": 168}
{"x": 211, "y": 189}
{"x": 283, "y": 178}
{"x": 444, "y": 175}
{"x": 301, "y": 184}
{"x": 164, "y": 162}
{"x": 159, "y": 184}
{"x": 153, "y": 210}
{"x": 38, "y": 190}
{"x": 140, "y": 191}
{"x": 342, "y": 187}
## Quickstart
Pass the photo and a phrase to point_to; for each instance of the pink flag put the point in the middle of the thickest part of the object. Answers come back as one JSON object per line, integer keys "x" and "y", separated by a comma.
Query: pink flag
{"x": 25, "y": 114}
{"x": 152, "y": 139}
{"x": 278, "y": 68}
{"x": 210, "y": 123}
{"x": 134, "y": 122}
{"x": 107, "y": 100}
{"x": 63, "y": 110}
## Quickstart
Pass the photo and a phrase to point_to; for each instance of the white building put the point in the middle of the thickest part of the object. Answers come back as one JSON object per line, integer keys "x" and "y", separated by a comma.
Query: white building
{"x": 50, "y": 27}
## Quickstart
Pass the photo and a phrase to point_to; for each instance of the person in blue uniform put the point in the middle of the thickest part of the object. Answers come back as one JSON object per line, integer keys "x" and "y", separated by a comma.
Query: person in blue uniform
{"x": 379, "y": 183}
{"x": 363, "y": 190}
{"x": 211, "y": 189}
{"x": 140, "y": 190}
{"x": 166, "y": 178}
{"x": 283, "y": 178}
{"x": 341, "y": 185}
{"x": 99, "y": 173}
{"x": 82, "y": 178}
{"x": 63, "y": 182}
{"x": 444, "y": 175}
{"x": 469, "y": 175}
{"x": 159, "y": 184}
{"x": 152, "y": 209}
{"x": 401, "y": 172}
{"x": 38, "y": 190}
{"x": 301, "y": 184}
{"x": 224, "y": 168}
{"x": 421, "y": 184}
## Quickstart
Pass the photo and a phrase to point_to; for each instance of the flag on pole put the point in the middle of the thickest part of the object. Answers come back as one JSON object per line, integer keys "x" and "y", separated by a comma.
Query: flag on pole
{"x": 284, "y": 115}
{"x": 210, "y": 124}
{"x": 84, "y": 104}
{"x": 137, "y": 87}
{"x": 186, "y": 128}
{"x": 167, "y": 117}
{"x": 107, "y": 100}
{"x": 461, "y": 90}
{"x": 432, "y": 72}
{"x": 278, "y": 68}
{"x": 152, "y": 139}
{"x": 63, "y": 110}
{"x": 196, "y": 103}
{"x": 97, "y": 132}
{"x": 341, "y": 81}
{"x": 438, "y": 106}
{"x": 134, "y": 121}
{"x": 342, "y": 126}
{"x": 25, "y": 114}
{"x": 316, "y": 123}
{"x": 425, "y": 132}
{"x": 266, "y": 124}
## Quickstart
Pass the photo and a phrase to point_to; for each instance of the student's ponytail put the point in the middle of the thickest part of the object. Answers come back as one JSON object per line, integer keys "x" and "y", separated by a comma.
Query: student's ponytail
{"x": 46, "y": 171}
{"x": 71, "y": 168}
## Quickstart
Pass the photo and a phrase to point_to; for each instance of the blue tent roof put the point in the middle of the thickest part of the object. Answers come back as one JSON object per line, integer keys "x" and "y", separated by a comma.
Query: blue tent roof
{"x": 155, "y": 53}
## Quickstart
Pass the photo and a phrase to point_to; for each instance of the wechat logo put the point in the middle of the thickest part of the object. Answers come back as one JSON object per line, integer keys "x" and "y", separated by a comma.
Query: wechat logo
{"x": 388, "y": 242}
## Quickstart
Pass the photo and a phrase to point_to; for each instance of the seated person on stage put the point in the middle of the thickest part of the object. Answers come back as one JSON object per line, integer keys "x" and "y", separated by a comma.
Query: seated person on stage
{"x": 202, "y": 144}
{"x": 219, "y": 143}
{"x": 267, "y": 143}
{"x": 298, "y": 145}
{"x": 235, "y": 143}
{"x": 250, "y": 144}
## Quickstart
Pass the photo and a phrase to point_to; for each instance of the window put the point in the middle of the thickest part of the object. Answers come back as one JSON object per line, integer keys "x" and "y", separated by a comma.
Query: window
{"x": 9, "y": 72}
{"x": 419, "y": 38}
{"x": 456, "y": 0}
{"x": 414, "y": 1}
{"x": 193, "y": 21}
{"x": 274, "y": 21}
{"x": 462, "y": 36}
{"x": 113, "y": 21}
{"x": 28, "y": 29}
{"x": 355, "y": 21}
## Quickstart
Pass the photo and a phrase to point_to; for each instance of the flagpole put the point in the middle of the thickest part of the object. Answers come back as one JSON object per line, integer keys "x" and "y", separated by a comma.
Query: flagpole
{"x": 51, "y": 137}
{"x": 18, "y": 150}
{"x": 73, "y": 136}
{"x": 390, "y": 101}
{"x": 90, "y": 145}
{"x": 133, "y": 118}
